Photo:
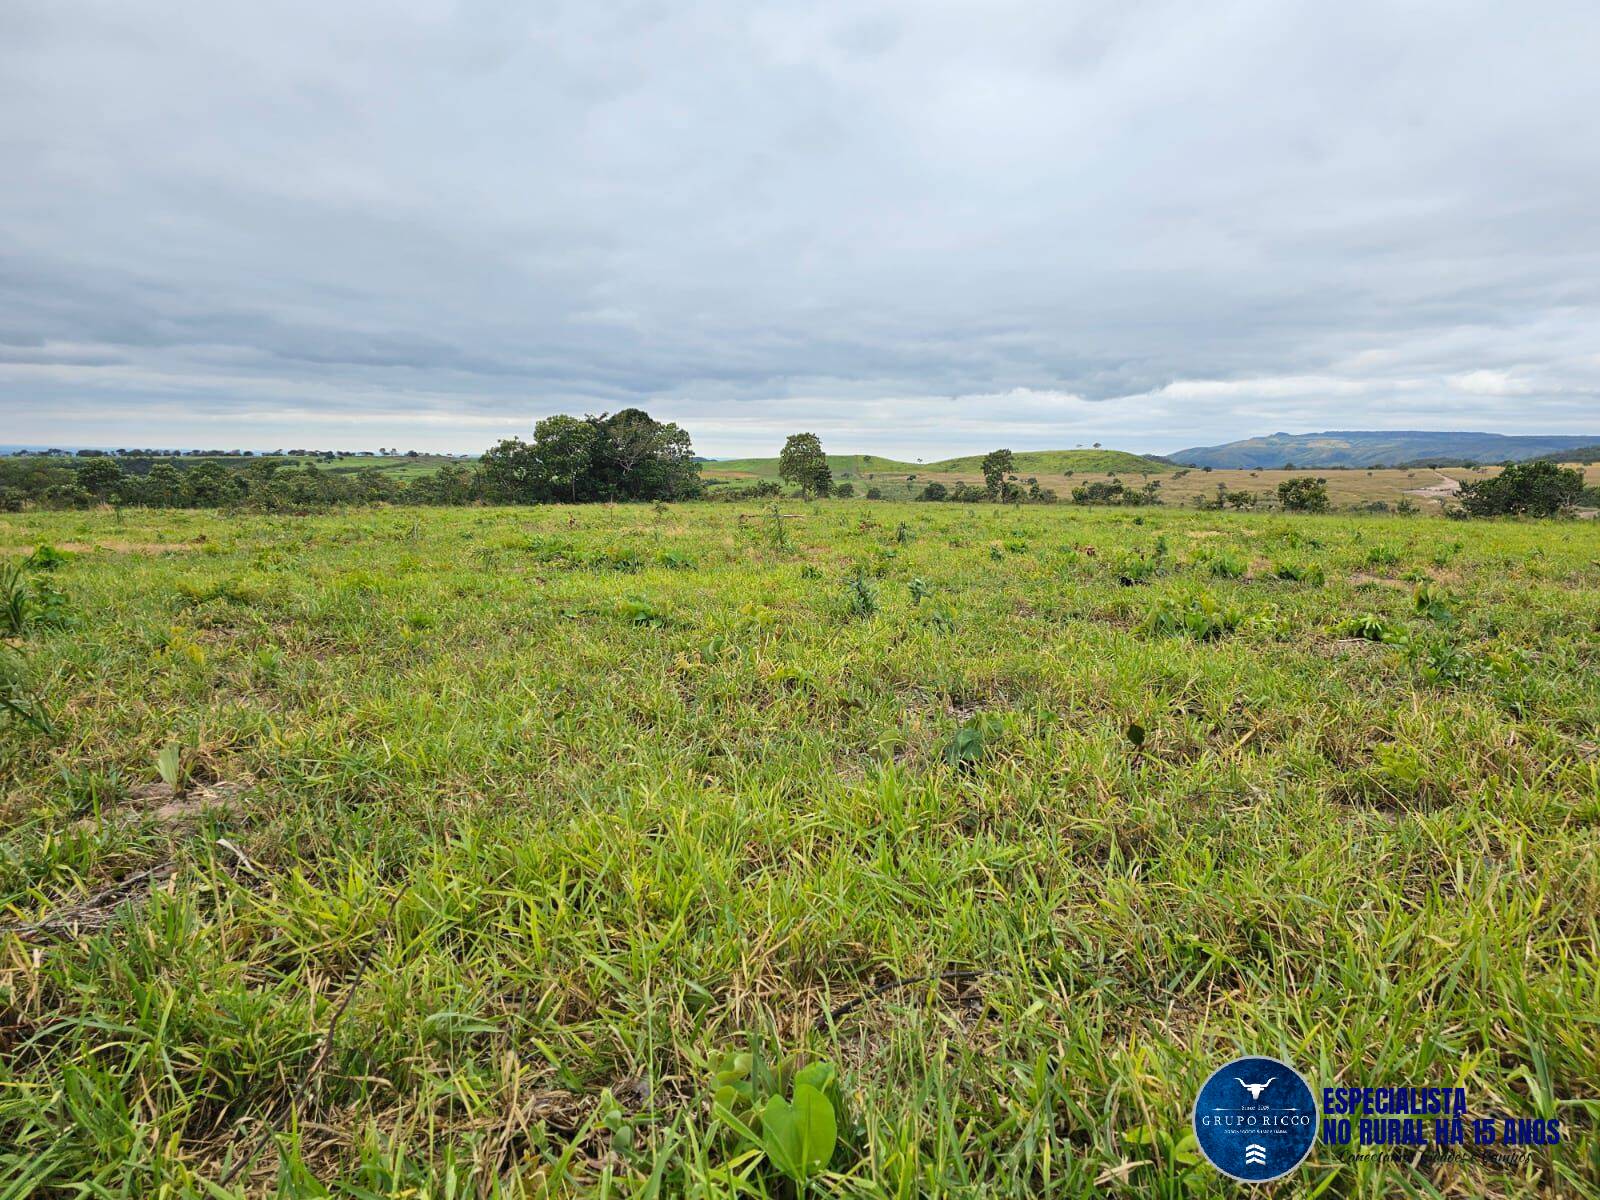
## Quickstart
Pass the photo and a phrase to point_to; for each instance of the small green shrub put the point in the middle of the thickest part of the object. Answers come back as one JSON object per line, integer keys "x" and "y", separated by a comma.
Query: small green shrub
{"x": 228, "y": 591}
{"x": 1434, "y": 603}
{"x": 1311, "y": 573}
{"x": 617, "y": 558}
{"x": 1535, "y": 489}
{"x": 860, "y": 595}
{"x": 973, "y": 740}
{"x": 29, "y": 603}
{"x": 1382, "y": 556}
{"x": 46, "y": 557}
{"x": 1134, "y": 569}
{"x": 1304, "y": 494}
{"x": 1438, "y": 661}
{"x": 637, "y": 610}
{"x": 18, "y": 699}
{"x": 1203, "y": 617}
{"x": 792, "y": 1115}
{"x": 1401, "y": 763}
{"x": 1370, "y": 626}
{"x": 1224, "y": 564}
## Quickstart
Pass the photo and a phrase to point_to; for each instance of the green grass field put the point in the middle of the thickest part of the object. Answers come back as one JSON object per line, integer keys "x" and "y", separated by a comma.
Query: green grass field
{"x": 1428, "y": 489}
{"x": 1027, "y": 462}
{"x": 448, "y": 853}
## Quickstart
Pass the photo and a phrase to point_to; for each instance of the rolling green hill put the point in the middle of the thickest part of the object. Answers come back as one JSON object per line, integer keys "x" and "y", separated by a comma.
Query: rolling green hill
{"x": 1028, "y": 462}
{"x": 1057, "y": 462}
{"x": 843, "y": 466}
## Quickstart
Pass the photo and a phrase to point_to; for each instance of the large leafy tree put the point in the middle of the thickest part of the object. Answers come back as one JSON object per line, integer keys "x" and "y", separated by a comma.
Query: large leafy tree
{"x": 641, "y": 458}
{"x": 617, "y": 456}
{"x": 565, "y": 449}
{"x": 511, "y": 472}
{"x": 1535, "y": 489}
{"x": 803, "y": 463}
{"x": 997, "y": 464}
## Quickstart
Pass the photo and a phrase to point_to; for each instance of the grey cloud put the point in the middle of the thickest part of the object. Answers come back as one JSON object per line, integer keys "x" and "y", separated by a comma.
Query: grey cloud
{"x": 916, "y": 228}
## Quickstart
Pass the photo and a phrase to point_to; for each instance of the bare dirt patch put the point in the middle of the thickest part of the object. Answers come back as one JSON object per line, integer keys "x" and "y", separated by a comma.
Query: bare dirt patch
{"x": 159, "y": 802}
{"x": 1441, "y": 491}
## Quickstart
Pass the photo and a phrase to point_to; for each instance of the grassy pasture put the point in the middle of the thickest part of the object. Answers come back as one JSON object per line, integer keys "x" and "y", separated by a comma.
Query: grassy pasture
{"x": 872, "y": 466}
{"x": 1346, "y": 489}
{"x": 541, "y": 811}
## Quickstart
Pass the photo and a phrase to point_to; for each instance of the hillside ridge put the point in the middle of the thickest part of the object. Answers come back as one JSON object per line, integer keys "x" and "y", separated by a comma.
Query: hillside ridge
{"x": 1377, "y": 447}
{"x": 1027, "y": 462}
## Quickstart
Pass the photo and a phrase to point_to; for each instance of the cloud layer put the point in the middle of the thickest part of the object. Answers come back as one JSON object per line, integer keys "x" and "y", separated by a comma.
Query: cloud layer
{"x": 915, "y": 229}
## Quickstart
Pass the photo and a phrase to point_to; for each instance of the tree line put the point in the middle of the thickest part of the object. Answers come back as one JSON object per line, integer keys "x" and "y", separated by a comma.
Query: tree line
{"x": 264, "y": 484}
{"x": 614, "y": 456}
{"x": 629, "y": 455}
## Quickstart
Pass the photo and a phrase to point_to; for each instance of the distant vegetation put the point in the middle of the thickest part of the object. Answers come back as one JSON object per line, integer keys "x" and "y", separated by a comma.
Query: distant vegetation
{"x": 629, "y": 456}
{"x": 1060, "y": 462}
{"x": 1368, "y": 448}
{"x": 621, "y": 456}
{"x": 1583, "y": 454}
{"x": 1032, "y": 462}
{"x": 267, "y": 483}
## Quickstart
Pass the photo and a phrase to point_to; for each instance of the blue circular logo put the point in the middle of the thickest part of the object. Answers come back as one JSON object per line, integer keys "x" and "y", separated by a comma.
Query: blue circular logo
{"x": 1255, "y": 1119}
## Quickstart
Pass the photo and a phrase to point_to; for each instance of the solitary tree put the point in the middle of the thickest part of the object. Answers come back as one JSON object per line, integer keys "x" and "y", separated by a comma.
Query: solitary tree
{"x": 804, "y": 464}
{"x": 997, "y": 464}
{"x": 1304, "y": 494}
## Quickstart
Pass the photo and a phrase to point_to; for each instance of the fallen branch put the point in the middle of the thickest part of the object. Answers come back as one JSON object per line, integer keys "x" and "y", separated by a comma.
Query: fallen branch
{"x": 98, "y": 911}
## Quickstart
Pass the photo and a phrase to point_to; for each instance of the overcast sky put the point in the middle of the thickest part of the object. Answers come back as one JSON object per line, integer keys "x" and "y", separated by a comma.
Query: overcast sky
{"x": 914, "y": 228}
